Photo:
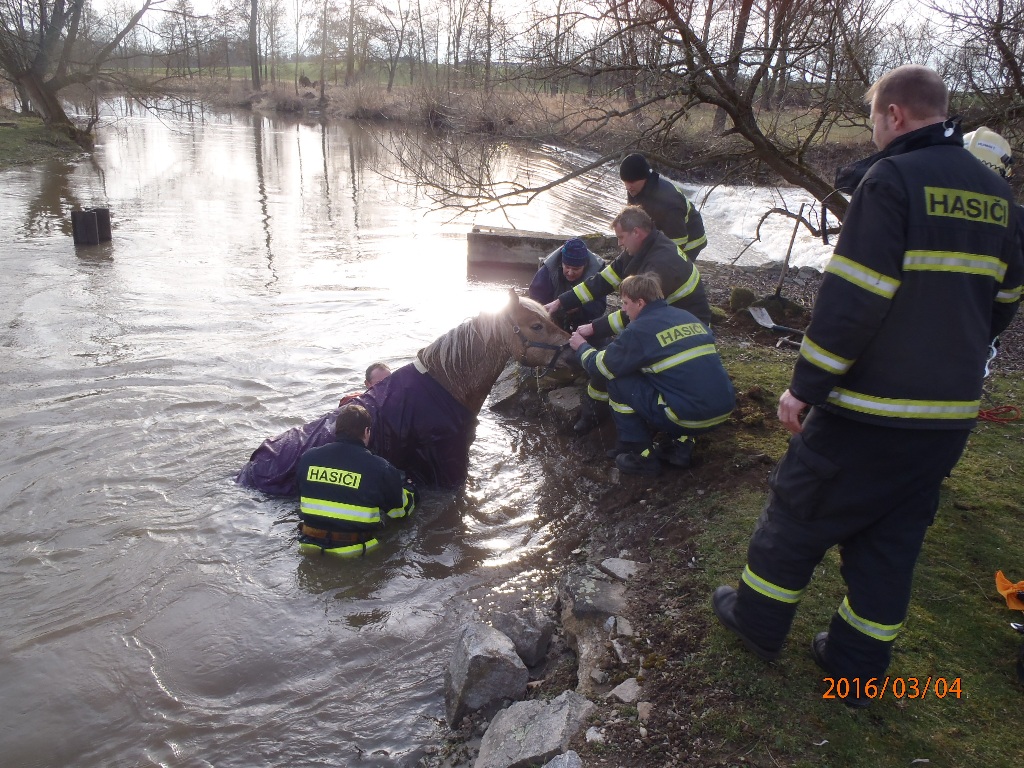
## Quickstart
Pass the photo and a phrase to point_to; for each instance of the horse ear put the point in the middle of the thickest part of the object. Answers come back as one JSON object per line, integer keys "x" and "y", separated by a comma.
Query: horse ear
{"x": 513, "y": 297}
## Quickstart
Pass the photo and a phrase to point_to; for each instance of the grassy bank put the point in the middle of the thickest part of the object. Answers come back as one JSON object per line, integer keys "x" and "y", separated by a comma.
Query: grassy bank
{"x": 25, "y": 140}
{"x": 716, "y": 704}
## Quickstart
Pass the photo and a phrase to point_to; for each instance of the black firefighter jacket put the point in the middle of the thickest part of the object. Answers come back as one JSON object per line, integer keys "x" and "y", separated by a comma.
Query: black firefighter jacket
{"x": 680, "y": 282}
{"x": 927, "y": 270}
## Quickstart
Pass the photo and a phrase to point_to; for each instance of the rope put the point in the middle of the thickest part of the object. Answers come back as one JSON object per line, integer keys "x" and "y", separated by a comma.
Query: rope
{"x": 1002, "y": 414}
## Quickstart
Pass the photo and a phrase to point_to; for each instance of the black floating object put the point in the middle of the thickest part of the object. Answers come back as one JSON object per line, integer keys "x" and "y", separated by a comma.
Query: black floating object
{"x": 91, "y": 226}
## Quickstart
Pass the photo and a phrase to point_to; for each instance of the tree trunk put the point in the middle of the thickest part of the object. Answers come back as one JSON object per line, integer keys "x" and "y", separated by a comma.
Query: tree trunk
{"x": 350, "y": 54}
{"x": 732, "y": 67}
{"x": 254, "y": 44}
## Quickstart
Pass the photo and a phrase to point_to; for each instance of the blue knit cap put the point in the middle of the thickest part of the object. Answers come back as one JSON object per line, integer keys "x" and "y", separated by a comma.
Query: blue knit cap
{"x": 574, "y": 253}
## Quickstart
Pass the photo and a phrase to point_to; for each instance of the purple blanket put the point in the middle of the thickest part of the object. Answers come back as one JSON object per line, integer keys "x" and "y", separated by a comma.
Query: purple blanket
{"x": 417, "y": 426}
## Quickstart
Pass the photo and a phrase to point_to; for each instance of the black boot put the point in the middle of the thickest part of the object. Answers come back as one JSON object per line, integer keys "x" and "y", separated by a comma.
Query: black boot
{"x": 592, "y": 413}
{"x": 638, "y": 462}
{"x": 678, "y": 452}
{"x": 621, "y": 447}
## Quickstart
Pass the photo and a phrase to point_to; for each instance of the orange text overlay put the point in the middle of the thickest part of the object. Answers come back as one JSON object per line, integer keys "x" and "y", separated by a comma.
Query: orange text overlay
{"x": 893, "y": 687}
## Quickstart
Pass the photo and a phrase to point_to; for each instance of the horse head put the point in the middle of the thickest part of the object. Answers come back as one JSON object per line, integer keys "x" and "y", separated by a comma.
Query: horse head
{"x": 540, "y": 343}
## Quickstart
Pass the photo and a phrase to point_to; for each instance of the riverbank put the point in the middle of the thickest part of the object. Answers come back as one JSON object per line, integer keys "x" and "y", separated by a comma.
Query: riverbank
{"x": 25, "y": 140}
{"x": 708, "y": 702}
{"x": 568, "y": 120}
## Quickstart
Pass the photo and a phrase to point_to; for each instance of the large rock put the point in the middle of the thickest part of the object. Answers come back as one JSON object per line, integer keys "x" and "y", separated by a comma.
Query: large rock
{"x": 532, "y": 732}
{"x": 569, "y": 760}
{"x": 485, "y": 672}
{"x": 589, "y": 599}
{"x": 530, "y": 633}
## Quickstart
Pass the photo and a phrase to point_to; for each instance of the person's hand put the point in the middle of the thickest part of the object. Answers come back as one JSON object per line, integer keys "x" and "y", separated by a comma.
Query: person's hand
{"x": 553, "y": 306}
{"x": 586, "y": 330}
{"x": 791, "y": 409}
{"x": 576, "y": 340}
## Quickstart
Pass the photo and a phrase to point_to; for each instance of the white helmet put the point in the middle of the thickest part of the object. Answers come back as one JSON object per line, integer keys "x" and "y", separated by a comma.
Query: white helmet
{"x": 991, "y": 148}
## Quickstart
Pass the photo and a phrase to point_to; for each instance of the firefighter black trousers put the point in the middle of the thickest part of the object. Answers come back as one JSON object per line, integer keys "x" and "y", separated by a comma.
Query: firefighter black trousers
{"x": 871, "y": 490}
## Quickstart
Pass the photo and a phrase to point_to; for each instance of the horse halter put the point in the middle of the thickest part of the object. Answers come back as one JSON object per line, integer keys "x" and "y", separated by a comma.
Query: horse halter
{"x": 527, "y": 343}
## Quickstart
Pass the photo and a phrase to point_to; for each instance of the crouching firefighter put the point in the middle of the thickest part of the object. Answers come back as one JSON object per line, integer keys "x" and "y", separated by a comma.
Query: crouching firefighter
{"x": 346, "y": 492}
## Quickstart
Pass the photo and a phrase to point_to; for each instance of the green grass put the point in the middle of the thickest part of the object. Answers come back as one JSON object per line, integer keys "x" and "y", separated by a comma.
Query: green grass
{"x": 957, "y": 627}
{"x": 29, "y": 141}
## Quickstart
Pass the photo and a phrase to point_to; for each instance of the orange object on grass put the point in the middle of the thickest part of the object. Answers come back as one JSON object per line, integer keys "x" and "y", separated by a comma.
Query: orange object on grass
{"x": 1010, "y": 591}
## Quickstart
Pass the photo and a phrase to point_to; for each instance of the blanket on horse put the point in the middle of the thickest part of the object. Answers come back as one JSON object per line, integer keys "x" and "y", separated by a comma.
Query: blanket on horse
{"x": 417, "y": 426}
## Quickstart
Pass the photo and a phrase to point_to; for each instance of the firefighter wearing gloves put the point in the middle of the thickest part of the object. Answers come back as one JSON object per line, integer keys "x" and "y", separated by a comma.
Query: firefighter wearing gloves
{"x": 346, "y": 492}
{"x": 663, "y": 374}
{"x": 925, "y": 273}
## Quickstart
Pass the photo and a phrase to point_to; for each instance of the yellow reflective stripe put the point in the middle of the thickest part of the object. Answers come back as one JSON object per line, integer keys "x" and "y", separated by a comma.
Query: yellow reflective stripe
{"x": 691, "y": 424}
{"x": 681, "y": 246}
{"x": 349, "y": 550}
{"x": 686, "y": 288}
{"x": 954, "y": 261}
{"x": 821, "y": 358}
{"x": 616, "y": 323}
{"x": 859, "y": 275}
{"x": 588, "y": 354}
{"x": 583, "y": 293}
{"x": 904, "y": 408}
{"x": 884, "y": 632}
{"x": 408, "y": 505}
{"x": 621, "y": 407}
{"x": 599, "y": 362}
{"x": 766, "y": 588}
{"x": 338, "y": 511}
{"x": 693, "y": 245}
{"x": 1009, "y": 295}
{"x": 679, "y": 358}
{"x": 597, "y": 394}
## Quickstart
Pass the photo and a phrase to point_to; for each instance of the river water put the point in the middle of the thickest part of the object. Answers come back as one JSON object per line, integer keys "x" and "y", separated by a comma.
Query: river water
{"x": 152, "y": 612}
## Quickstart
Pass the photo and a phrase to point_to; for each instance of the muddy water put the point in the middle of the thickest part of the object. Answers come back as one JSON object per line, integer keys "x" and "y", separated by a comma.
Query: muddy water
{"x": 153, "y": 613}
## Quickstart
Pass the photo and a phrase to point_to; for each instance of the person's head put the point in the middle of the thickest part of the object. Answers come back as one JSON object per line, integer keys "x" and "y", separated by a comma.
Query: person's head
{"x": 376, "y": 372}
{"x": 637, "y": 291}
{"x": 991, "y": 149}
{"x": 634, "y": 172}
{"x": 632, "y": 226}
{"x": 575, "y": 258}
{"x": 353, "y": 423}
{"x": 905, "y": 99}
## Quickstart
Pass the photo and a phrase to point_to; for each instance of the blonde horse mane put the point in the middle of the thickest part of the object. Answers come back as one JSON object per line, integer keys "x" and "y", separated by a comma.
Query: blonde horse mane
{"x": 471, "y": 354}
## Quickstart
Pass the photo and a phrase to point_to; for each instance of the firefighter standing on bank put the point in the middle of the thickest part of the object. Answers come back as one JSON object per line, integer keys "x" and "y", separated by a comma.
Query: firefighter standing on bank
{"x": 925, "y": 274}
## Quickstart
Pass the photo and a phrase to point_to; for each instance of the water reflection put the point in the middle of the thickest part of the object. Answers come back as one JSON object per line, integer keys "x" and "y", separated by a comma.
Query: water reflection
{"x": 257, "y": 266}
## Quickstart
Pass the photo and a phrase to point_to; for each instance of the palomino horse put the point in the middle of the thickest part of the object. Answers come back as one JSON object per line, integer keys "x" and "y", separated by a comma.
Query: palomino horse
{"x": 424, "y": 414}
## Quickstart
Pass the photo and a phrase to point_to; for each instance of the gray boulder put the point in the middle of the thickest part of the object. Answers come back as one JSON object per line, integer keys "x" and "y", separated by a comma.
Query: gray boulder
{"x": 530, "y": 632}
{"x": 589, "y": 599}
{"x": 533, "y": 732}
{"x": 484, "y": 673}
{"x": 569, "y": 760}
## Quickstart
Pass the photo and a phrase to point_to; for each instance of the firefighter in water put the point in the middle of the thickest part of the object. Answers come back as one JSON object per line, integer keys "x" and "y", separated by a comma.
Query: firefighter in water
{"x": 347, "y": 493}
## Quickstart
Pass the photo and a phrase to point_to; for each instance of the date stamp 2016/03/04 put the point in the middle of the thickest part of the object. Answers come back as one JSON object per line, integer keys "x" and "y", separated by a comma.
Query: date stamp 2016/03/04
{"x": 894, "y": 687}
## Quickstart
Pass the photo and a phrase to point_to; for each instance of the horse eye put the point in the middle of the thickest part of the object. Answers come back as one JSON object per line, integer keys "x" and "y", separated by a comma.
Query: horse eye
{"x": 538, "y": 326}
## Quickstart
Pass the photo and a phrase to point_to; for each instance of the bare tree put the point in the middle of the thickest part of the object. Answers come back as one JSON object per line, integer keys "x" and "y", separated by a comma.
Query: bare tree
{"x": 254, "y": 44}
{"x": 393, "y": 34}
{"x": 44, "y": 49}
